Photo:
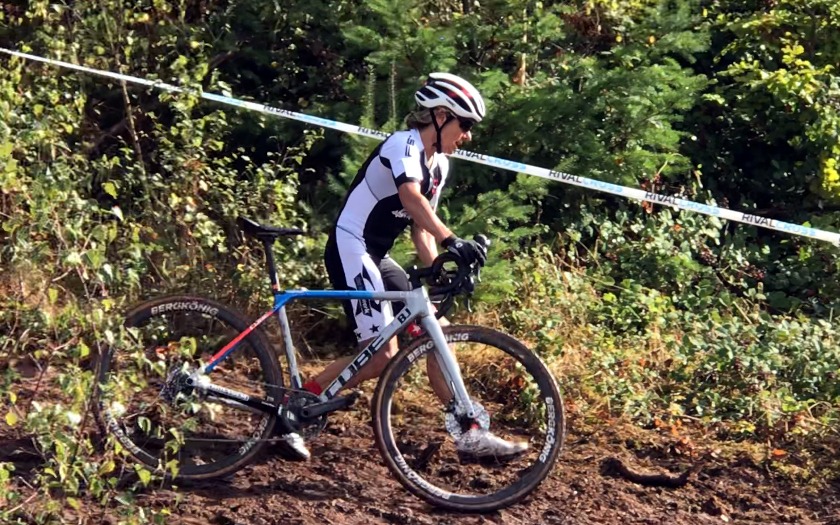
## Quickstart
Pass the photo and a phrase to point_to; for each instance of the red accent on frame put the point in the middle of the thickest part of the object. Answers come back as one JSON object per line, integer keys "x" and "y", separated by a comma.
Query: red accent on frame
{"x": 313, "y": 387}
{"x": 240, "y": 337}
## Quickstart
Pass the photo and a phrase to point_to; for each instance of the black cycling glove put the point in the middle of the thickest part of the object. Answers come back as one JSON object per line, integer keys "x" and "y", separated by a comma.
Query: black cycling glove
{"x": 469, "y": 251}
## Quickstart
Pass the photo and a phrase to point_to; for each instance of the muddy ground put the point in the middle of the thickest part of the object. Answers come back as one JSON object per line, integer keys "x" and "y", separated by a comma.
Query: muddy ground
{"x": 347, "y": 483}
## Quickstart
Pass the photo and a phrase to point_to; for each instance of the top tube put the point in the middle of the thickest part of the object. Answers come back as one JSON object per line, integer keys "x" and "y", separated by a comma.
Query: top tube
{"x": 286, "y": 296}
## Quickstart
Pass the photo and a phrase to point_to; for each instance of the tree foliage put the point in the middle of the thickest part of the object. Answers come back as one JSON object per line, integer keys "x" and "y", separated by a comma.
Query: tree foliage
{"x": 112, "y": 192}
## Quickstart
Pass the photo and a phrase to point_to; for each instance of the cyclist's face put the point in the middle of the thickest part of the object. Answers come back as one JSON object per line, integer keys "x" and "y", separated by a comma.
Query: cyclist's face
{"x": 454, "y": 133}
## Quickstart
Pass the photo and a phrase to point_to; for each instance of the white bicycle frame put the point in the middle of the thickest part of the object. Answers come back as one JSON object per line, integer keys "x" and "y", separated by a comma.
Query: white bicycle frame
{"x": 417, "y": 305}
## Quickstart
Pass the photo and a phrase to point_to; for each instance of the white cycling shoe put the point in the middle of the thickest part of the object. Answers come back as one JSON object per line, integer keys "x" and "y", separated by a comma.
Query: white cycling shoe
{"x": 294, "y": 445}
{"x": 480, "y": 443}
{"x": 476, "y": 443}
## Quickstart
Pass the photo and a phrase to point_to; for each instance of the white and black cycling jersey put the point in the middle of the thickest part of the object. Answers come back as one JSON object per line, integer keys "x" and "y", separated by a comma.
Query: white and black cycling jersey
{"x": 372, "y": 211}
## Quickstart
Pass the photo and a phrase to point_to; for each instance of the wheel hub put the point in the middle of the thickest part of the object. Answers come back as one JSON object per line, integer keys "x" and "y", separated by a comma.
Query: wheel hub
{"x": 457, "y": 423}
{"x": 176, "y": 382}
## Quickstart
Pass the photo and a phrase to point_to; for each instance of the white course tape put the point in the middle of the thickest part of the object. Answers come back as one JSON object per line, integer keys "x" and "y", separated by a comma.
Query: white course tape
{"x": 615, "y": 189}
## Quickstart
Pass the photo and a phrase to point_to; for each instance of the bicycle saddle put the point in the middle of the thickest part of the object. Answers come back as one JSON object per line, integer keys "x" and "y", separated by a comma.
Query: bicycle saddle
{"x": 264, "y": 232}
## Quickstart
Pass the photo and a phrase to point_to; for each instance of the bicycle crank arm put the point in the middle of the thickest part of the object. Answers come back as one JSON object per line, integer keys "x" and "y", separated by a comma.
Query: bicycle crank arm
{"x": 320, "y": 409}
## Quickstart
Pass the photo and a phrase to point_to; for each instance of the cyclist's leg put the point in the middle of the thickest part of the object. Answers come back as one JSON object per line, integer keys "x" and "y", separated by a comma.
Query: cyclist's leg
{"x": 394, "y": 279}
{"x": 350, "y": 267}
{"x": 476, "y": 442}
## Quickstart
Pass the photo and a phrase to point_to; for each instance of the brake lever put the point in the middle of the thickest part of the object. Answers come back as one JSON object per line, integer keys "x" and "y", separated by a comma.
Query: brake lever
{"x": 469, "y": 288}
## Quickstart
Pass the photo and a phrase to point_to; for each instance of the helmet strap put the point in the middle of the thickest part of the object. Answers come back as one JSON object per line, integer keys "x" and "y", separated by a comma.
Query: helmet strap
{"x": 437, "y": 129}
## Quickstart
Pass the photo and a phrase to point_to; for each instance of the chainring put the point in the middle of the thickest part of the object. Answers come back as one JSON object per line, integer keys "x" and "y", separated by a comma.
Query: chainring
{"x": 297, "y": 400}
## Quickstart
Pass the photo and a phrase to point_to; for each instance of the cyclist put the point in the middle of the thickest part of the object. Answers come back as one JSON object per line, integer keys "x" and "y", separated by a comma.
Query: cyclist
{"x": 399, "y": 185}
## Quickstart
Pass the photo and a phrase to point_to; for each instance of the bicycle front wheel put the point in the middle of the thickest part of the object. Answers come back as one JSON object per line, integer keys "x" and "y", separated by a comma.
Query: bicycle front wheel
{"x": 168, "y": 426}
{"x": 417, "y": 435}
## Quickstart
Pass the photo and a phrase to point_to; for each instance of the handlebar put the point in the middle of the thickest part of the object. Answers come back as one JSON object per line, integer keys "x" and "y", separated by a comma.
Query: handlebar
{"x": 445, "y": 281}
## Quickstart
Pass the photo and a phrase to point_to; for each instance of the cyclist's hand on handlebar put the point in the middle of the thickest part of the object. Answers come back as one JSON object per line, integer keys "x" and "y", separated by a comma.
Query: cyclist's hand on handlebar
{"x": 469, "y": 251}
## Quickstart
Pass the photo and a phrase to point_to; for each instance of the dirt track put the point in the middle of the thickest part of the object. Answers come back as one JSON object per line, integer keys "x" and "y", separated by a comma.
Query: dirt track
{"x": 346, "y": 483}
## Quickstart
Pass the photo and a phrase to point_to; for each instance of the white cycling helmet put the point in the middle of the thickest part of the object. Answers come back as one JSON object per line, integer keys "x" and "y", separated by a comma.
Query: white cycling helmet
{"x": 452, "y": 92}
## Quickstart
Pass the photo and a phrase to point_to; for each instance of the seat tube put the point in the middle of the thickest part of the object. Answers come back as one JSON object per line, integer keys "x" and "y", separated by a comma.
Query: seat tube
{"x": 448, "y": 364}
{"x": 294, "y": 375}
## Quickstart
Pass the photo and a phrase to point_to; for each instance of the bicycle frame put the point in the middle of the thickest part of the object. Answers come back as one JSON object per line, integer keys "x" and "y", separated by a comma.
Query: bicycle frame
{"x": 417, "y": 304}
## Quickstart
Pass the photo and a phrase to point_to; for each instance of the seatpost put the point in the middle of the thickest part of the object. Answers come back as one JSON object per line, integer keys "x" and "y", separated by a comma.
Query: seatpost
{"x": 269, "y": 260}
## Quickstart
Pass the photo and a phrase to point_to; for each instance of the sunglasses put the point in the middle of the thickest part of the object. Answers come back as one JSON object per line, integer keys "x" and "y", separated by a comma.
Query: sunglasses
{"x": 465, "y": 124}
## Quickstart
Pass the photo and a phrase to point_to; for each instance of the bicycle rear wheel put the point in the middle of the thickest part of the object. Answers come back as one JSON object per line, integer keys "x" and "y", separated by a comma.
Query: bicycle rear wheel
{"x": 173, "y": 429}
{"x": 502, "y": 376}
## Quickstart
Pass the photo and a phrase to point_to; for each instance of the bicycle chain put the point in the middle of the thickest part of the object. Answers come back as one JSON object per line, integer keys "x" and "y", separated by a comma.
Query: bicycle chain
{"x": 289, "y": 395}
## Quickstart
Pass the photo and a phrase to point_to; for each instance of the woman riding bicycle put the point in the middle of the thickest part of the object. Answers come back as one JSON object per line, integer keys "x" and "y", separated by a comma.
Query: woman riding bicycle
{"x": 399, "y": 185}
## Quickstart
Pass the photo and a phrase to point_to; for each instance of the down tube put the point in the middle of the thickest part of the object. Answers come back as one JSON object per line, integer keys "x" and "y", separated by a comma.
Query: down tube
{"x": 402, "y": 318}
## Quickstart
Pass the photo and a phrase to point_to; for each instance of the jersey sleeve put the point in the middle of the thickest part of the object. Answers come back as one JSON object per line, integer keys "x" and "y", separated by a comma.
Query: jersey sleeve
{"x": 404, "y": 160}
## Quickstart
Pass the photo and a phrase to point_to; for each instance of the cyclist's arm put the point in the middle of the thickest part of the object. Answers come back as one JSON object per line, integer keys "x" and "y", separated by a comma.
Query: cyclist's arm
{"x": 421, "y": 211}
{"x": 425, "y": 244}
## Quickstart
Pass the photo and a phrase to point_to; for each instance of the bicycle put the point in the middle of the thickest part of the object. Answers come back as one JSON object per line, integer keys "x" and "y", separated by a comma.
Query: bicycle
{"x": 200, "y": 391}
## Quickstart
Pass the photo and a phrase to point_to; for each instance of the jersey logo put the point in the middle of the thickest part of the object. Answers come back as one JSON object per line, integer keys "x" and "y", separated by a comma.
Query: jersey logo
{"x": 401, "y": 214}
{"x": 433, "y": 190}
{"x": 365, "y": 306}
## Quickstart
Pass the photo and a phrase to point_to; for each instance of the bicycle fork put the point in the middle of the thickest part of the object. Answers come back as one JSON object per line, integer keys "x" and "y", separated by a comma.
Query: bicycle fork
{"x": 445, "y": 356}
